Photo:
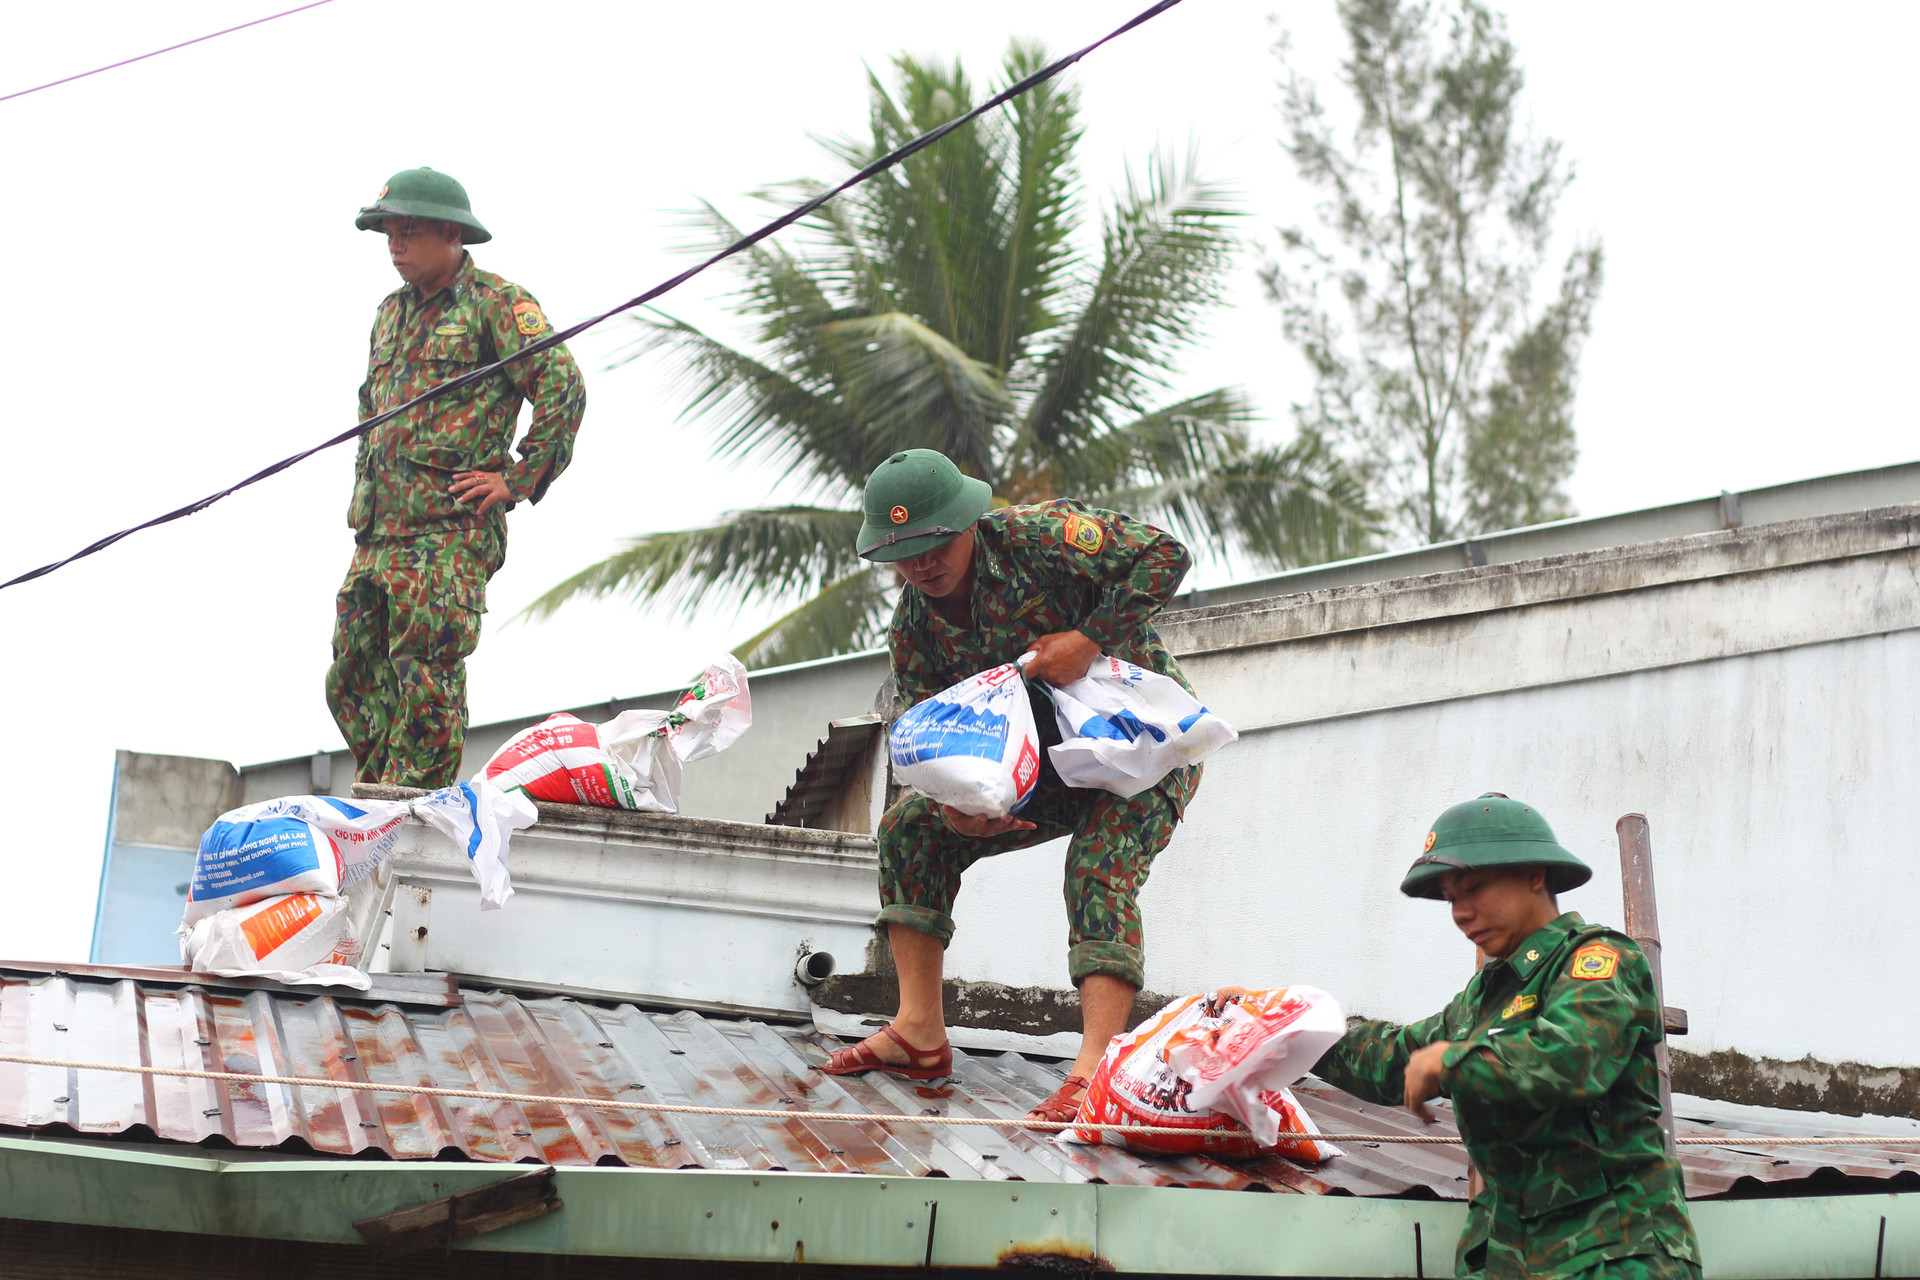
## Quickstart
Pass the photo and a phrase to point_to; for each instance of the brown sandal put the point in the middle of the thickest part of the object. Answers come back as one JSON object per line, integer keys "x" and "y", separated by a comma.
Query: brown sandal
{"x": 1062, "y": 1105}
{"x": 857, "y": 1059}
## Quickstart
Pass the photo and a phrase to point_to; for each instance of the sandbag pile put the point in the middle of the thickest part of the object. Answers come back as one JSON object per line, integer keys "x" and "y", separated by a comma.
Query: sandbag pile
{"x": 267, "y": 896}
{"x": 1218, "y": 1067}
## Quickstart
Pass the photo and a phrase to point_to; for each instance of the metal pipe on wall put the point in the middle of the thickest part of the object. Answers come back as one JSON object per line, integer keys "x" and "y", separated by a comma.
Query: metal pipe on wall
{"x": 1643, "y": 926}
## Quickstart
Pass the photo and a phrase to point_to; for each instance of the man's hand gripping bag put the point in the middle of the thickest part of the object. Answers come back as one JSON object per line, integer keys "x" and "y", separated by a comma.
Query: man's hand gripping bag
{"x": 1212, "y": 1064}
{"x": 1124, "y": 728}
{"x": 973, "y": 746}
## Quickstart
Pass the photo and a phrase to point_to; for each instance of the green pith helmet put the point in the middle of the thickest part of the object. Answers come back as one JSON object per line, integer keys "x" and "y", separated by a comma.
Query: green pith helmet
{"x": 1492, "y": 831}
{"x": 423, "y": 193}
{"x": 917, "y": 500}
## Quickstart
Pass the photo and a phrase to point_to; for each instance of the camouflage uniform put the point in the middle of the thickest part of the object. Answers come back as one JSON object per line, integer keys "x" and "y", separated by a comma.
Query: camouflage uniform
{"x": 1552, "y": 1075}
{"x": 1056, "y": 566}
{"x": 409, "y": 612}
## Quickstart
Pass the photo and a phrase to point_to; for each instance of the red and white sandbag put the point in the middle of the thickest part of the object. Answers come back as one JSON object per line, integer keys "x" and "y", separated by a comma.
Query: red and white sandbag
{"x": 294, "y": 938}
{"x": 634, "y": 760}
{"x": 1217, "y": 1067}
{"x": 973, "y": 746}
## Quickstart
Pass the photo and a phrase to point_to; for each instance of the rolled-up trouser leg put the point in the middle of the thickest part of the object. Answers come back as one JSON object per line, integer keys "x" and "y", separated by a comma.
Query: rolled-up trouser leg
{"x": 921, "y": 858}
{"x": 1107, "y": 863}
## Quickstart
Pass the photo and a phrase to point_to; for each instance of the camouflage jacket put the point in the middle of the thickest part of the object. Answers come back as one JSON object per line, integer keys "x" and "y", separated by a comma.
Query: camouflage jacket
{"x": 1556, "y": 1090}
{"x": 1053, "y": 566}
{"x": 404, "y": 467}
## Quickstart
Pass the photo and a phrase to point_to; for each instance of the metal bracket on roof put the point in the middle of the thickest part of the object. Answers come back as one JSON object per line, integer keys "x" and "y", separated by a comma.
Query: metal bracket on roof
{"x": 438, "y": 1223}
{"x": 1476, "y": 552}
{"x": 1729, "y": 509}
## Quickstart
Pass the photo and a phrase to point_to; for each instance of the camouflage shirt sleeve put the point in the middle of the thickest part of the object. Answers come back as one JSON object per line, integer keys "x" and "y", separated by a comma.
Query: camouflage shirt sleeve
{"x": 1135, "y": 567}
{"x": 1582, "y": 1039}
{"x": 549, "y": 381}
{"x": 1370, "y": 1061}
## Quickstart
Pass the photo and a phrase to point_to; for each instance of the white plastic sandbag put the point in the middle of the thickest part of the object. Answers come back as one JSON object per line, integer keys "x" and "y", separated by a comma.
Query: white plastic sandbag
{"x": 1124, "y": 728}
{"x": 634, "y": 760}
{"x": 1217, "y": 1068}
{"x": 296, "y": 844}
{"x": 480, "y": 818}
{"x": 293, "y": 938}
{"x": 973, "y": 746}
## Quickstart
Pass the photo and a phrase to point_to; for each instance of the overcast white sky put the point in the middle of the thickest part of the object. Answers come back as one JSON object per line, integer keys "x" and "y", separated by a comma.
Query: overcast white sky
{"x": 186, "y": 299}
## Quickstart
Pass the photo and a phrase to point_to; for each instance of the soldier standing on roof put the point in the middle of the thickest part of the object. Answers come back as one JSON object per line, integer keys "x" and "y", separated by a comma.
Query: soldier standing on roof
{"x": 431, "y": 489}
{"x": 1065, "y": 583}
{"x": 1548, "y": 1056}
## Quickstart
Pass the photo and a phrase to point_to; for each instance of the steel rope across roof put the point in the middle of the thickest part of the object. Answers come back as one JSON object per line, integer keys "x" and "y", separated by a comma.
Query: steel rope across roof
{"x": 768, "y": 1113}
{"x": 554, "y": 339}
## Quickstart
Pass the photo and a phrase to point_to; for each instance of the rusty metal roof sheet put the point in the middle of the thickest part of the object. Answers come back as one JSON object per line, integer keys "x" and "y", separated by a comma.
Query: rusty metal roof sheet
{"x": 555, "y": 1045}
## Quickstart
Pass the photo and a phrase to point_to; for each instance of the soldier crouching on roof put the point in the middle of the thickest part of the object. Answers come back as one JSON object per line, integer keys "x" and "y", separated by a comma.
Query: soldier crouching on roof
{"x": 1065, "y": 583}
{"x": 432, "y": 488}
{"x": 1548, "y": 1056}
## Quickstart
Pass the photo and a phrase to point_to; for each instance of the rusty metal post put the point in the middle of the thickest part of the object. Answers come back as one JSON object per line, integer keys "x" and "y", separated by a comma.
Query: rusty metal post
{"x": 1643, "y": 926}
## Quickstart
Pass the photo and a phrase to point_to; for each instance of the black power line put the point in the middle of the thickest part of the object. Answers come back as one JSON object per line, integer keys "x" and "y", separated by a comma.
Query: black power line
{"x": 21, "y": 93}
{"x": 879, "y": 166}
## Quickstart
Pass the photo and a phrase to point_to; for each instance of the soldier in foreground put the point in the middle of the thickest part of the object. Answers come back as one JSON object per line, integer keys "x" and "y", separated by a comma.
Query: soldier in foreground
{"x": 431, "y": 489}
{"x": 1548, "y": 1057}
{"x": 1065, "y": 583}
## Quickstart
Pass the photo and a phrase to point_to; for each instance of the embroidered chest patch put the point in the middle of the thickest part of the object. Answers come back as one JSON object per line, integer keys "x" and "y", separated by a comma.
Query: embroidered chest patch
{"x": 1083, "y": 534}
{"x": 1594, "y": 961}
{"x": 450, "y": 329}
{"x": 527, "y": 318}
{"x": 1028, "y": 607}
{"x": 1517, "y": 1006}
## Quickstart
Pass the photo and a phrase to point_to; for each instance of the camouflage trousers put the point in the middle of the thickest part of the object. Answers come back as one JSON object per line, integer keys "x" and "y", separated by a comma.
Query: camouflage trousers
{"x": 1112, "y": 846}
{"x": 404, "y": 622}
{"x": 1644, "y": 1266}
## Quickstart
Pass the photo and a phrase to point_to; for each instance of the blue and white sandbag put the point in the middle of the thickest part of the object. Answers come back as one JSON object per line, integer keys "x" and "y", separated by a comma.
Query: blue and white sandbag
{"x": 973, "y": 746}
{"x": 296, "y": 844}
{"x": 1124, "y": 728}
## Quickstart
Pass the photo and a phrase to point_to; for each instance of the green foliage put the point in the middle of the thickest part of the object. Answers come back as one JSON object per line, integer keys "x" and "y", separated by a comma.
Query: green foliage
{"x": 1429, "y": 373}
{"x": 945, "y": 304}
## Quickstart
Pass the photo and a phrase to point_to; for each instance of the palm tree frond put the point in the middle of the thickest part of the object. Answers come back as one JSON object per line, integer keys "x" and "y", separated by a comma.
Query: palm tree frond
{"x": 1184, "y": 439}
{"x": 1165, "y": 254}
{"x": 747, "y": 556}
{"x": 1284, "y": 507}
{"x": 907, "y": 387}
{"x": 849, "y": 615}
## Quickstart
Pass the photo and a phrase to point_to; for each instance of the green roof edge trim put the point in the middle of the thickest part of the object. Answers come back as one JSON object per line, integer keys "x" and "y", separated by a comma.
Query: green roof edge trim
{"x": 864, "y": 1220}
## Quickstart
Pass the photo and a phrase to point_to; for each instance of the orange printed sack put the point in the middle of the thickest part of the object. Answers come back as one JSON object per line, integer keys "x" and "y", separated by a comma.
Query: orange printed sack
{"x": 1217, "y": 1066}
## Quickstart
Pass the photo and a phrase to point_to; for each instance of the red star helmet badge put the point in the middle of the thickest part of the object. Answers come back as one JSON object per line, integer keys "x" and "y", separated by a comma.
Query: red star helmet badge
{"x": 899, "y": 515}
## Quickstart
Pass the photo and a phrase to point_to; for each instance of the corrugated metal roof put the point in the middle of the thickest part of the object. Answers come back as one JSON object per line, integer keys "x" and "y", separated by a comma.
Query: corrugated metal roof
{"x": 554, "y": 1045}
{"x": 818, "y": 780}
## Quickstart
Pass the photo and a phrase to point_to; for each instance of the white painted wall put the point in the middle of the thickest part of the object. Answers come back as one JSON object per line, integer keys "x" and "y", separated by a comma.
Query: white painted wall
{"x": 1779, "y": 783}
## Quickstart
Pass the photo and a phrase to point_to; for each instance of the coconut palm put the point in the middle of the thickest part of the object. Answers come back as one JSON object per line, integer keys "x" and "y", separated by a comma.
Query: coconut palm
{"x": 946, "y": 304}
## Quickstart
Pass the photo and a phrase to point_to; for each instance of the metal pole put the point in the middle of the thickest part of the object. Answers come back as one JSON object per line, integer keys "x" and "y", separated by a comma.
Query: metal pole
{"x": 1643, "y": 926}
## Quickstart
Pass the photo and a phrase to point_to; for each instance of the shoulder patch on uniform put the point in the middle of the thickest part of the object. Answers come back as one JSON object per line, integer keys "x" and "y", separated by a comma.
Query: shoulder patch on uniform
{"x": 1518, "y": 1005}
{"x": 1083, "y": 534}
{"x": 1594, "y": 961}
{"x": 527, "y": 318}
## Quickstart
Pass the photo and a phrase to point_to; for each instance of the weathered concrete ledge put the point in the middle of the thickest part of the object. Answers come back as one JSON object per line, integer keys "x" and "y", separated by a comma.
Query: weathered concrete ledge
{"x": 1844, "y": 1088}
{"x": 1461, "y": 592}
